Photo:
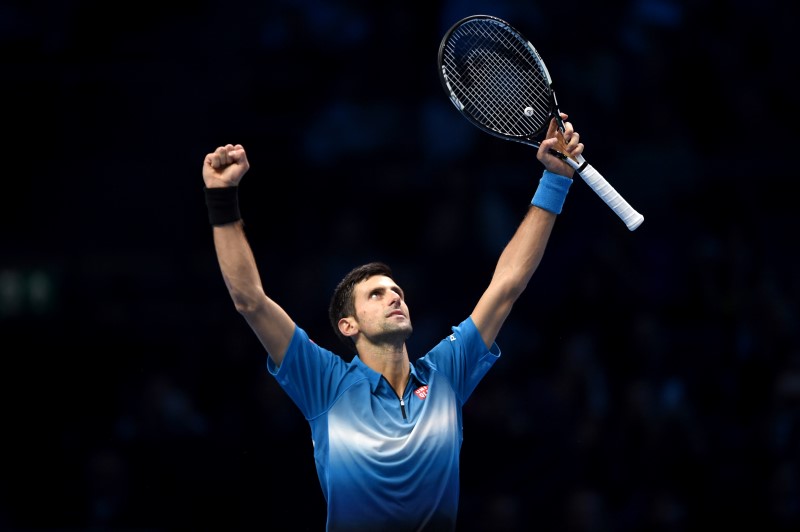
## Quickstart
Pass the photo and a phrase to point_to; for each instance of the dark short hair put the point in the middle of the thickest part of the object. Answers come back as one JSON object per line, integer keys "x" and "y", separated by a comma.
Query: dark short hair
{"x": 343, "y": 301}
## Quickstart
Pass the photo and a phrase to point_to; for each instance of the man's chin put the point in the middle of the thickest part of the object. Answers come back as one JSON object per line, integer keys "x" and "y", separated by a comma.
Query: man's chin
{"x": 400, "y": 333}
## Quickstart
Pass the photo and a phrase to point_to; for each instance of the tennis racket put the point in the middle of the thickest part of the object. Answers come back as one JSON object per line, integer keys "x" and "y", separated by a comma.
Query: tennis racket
{"x": 497, "y": 80}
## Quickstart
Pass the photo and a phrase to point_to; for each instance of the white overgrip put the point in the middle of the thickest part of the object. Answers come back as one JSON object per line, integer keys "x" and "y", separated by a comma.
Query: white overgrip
{"x": 609, "y": 195}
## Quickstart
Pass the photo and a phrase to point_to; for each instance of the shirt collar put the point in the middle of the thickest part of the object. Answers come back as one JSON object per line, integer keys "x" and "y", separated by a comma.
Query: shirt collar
{"x": 374, "y": 377}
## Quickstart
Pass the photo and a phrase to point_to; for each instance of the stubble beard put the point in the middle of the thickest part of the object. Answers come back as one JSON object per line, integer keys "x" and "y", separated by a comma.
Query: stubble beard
{"x": 395, "y": 333}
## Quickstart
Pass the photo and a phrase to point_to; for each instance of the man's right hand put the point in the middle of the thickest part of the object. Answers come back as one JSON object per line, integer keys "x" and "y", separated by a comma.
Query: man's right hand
{"x": 225, "y": 166}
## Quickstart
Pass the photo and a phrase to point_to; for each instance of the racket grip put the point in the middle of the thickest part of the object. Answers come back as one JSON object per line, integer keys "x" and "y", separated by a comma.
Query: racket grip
{"x": 612, "y": 198}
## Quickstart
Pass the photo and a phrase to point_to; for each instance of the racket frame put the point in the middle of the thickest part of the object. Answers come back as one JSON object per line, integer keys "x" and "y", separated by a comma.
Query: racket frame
{"x": 589, "y": 174}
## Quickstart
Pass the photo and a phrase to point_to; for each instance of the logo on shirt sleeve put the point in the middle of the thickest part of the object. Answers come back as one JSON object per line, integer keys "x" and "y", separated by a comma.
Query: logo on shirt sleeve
{"x": 422, "y": 392}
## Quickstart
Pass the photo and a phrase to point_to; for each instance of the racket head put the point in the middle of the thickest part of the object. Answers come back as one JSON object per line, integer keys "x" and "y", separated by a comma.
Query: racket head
{"x": 496, "y": 78}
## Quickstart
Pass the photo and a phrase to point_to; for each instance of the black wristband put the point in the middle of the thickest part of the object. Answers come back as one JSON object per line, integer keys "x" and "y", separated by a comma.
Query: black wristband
{"x": 223, "y": 205}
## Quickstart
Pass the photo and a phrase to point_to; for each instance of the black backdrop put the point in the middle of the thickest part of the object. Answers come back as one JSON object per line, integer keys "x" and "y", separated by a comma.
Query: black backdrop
{"x": 649, "y": 379}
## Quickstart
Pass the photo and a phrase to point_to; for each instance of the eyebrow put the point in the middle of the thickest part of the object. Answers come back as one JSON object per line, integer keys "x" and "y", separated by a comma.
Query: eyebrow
{"x": 393, "y": 287}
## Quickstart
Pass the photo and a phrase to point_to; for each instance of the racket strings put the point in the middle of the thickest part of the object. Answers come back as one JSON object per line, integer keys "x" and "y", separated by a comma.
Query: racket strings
{"x": 500, "y": 78}
{"x": 497, "y": 78}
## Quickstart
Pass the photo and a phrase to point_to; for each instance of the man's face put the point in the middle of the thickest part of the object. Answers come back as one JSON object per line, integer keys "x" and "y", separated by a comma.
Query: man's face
{"x": 381, "y": 309}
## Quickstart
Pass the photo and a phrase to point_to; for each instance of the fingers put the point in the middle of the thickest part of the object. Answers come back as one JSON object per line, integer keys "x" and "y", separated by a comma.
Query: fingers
{"x": 569, "y": 130}
{"x": 544, "y": 148}
{"x": 561, "y": 137}
{"x": 567, "y": 143}
{"x": 217, "y": 158}
{"x": 225, "y": 155}
{"x": 548, "y": 144}
{"x": 552, "y": 129}
{"x": 572, "y": 139}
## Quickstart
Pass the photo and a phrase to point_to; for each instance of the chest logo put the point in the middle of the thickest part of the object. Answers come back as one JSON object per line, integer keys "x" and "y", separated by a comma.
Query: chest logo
{"x": 422, "y": 392}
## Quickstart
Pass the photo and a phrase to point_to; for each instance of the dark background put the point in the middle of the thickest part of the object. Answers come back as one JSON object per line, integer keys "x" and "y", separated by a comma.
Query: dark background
{"x": 650, "y": 379}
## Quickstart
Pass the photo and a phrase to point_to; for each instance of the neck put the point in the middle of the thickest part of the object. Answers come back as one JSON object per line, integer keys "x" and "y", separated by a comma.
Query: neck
{"x": 391, "y": 362}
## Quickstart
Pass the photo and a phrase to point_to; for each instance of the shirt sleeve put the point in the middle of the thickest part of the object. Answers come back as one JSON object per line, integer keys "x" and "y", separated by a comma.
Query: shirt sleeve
{"x": 309, "y": 374}
{"x": 462, "y": 358}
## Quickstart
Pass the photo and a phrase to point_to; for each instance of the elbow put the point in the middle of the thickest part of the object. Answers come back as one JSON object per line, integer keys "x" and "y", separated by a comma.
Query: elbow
{"x": 514, "y": 292}
{"x": 247, "y": 304}
{"x": 515, "y": 281}
{"x": 512, "y": 289}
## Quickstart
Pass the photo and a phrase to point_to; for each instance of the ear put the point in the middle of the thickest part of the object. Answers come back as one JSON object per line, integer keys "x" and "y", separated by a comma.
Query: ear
{"x": 348, "y": 327}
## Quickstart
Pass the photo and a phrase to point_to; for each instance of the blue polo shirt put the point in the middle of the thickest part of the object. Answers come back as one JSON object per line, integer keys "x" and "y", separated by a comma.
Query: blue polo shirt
{"x": 384, "y": 462}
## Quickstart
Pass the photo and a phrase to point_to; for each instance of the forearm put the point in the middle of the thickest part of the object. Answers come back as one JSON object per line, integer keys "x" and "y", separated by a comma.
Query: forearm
{"x": 238, "y": 266}
{"x": 525, "y": 250}
{"x": 520, "y": 257}
{"x": 523, "y": 253}
{"x": 222, "y": 171}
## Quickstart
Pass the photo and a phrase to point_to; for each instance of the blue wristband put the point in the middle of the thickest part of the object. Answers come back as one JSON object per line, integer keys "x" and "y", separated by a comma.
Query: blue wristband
{"x": 551, "y": 192}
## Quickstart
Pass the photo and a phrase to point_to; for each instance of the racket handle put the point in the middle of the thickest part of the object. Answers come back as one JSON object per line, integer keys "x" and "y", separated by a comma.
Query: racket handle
{"x": 608, "y": 194}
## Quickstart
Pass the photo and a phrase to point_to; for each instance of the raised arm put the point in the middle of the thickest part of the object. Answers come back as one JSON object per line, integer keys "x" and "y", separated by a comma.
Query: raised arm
{"x": 223, "y": 169}
{"x": 524, "y": 251}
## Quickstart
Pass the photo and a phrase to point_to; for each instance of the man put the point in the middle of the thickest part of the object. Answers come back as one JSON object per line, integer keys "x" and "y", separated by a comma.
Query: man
{"x": 387, "y": 432}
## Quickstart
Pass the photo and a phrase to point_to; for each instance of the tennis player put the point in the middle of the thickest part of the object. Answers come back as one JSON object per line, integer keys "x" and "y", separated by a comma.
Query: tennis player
{"x": 386, "y": 431}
